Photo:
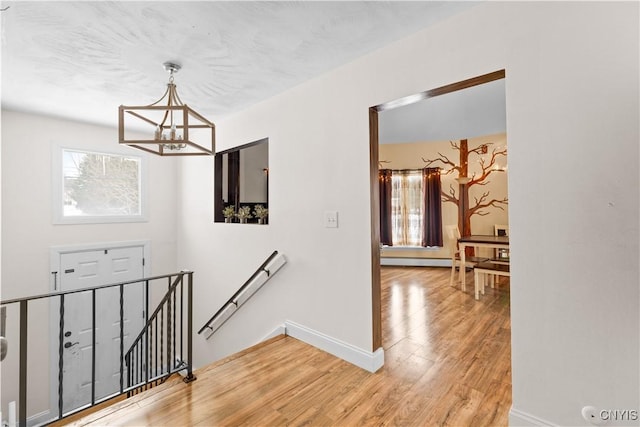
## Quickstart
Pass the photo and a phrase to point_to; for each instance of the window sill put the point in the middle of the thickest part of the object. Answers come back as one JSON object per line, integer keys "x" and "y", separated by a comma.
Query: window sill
{"x": 77, "y": 220}
{"x": 411, "y": 248}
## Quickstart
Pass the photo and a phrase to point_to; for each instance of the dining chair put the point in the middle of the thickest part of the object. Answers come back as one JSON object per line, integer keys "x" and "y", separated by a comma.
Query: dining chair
{"x": 453, "y": 234}
{"x": 501, "y": 254}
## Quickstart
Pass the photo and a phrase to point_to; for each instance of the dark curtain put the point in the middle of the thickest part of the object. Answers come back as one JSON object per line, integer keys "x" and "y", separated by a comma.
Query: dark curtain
{"x": 431, "y": 196}
{"x": 384, "y": 176}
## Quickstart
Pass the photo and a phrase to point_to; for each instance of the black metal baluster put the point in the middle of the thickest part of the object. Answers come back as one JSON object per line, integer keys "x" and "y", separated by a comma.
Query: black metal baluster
{"x": 155, "y": 372}
{"x": 22, "y": 408}
{"x": 190, "y": 377}
{"x": 146, "y": 335}
{"x": 168, "y": 336}
{"x": 181, "y": 320}
{"x": 175, "y": 309}
{"x": 127, "y": 360}
{"x": 132, "y": 368}
{"x": 138, "y": 364}
{"x": 161, "y": 340}
{"x": 60, "y": 356}
{"x": 151, "y": 352}
{"x": 93, "y": 347}
{"x": 169, "y": 358}
{"x": 121, "y": 338}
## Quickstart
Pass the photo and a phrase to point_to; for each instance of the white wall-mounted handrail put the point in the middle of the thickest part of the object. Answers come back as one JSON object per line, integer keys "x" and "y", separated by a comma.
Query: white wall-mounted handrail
{"x": 268, "y": 268}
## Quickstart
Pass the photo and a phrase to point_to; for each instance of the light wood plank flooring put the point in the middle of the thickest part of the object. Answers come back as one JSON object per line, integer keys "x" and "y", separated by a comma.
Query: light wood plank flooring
{"x": 447, "y": 363}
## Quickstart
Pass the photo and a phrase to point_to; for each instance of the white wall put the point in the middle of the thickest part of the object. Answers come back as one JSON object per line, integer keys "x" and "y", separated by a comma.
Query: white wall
{"x": 28, "y": 231}
{"x": 572, "y": 122}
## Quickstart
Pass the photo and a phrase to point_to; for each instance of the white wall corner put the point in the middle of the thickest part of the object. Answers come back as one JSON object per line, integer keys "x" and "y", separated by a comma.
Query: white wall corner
{"x": 519, "y": 418}
{"x": 369, "y": 361}
{"x": 280, "y": 330}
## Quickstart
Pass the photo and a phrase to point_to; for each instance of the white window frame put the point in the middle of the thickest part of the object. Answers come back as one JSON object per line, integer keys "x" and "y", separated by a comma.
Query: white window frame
{"x": 58, "y": 185}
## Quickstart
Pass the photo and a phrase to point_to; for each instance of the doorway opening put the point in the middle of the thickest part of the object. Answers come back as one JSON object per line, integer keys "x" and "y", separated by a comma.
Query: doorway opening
{"x": 454, "y": 344}
{"x": 375, "y": 162}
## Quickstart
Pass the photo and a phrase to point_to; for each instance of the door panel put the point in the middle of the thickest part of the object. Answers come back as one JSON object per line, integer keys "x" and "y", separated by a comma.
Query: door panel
{"x": 93, "y": 268}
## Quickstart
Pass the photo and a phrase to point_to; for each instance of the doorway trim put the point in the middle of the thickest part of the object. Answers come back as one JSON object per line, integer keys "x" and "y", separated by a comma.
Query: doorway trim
{"x": 376, "y": 309}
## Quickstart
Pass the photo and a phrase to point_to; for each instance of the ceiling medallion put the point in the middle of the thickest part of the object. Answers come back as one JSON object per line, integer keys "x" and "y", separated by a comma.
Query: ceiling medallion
{"x": 174, "y": 129}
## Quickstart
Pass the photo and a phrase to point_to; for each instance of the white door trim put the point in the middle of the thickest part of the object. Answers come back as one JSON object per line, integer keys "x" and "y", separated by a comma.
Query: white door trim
{"x": 55, "y": 253}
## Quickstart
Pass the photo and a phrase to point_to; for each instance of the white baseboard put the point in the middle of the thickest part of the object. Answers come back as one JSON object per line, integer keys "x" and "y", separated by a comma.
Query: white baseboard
{"x": 43, "y": 417}
{"x": 416, "y": 262}
{"x": 369, "y": 361}
{"x": 519, "y": 418}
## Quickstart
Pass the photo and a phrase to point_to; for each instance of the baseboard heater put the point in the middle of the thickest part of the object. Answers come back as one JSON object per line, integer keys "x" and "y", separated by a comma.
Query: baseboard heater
{"x": 250, "y": 287}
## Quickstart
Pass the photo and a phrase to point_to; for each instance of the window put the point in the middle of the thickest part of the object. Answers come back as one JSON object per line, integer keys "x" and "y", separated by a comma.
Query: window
{"x": 98, "y": 188}
{"x": 410, "y": 207}
{"x": 406, "y": 208}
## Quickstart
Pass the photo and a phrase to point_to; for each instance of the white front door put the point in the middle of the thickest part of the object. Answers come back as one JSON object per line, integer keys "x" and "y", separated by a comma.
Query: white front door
{"x": 92, "y": 268}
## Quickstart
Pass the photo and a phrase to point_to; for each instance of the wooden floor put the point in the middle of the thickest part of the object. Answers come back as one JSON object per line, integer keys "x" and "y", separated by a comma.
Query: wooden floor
{"x": 447, "y": 363}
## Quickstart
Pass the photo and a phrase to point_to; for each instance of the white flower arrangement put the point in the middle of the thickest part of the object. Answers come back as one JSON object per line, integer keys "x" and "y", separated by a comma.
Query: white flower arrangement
{"x": 244, "y": 213}
{"x": 229, "y": 211}
{"x": 260, "y": 211}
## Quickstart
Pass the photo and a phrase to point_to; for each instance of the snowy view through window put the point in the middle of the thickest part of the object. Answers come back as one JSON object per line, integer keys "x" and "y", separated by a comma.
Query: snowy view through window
{"x": 98, "y": 184}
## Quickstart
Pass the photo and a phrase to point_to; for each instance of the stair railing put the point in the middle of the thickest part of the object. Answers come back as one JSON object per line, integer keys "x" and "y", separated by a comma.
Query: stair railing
{"x": 176, "y": 310}
{"x": 158, "y": 351}
{"x": 266, "y": 270}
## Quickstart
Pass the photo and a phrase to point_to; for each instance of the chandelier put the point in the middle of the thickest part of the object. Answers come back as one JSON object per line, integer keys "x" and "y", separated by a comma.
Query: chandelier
{"x": 173, "y": 129}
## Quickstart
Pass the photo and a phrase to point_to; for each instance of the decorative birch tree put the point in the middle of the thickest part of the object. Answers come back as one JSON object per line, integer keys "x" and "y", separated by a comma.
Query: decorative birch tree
{"x": 461, "y": 197}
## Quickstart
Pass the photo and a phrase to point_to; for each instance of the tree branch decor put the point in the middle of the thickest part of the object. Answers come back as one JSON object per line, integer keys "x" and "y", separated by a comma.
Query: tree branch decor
{"x": 460, "y": 196}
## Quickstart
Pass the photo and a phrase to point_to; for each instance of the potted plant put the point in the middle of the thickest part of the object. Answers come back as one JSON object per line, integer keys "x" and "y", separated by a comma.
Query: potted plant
{"x": 261, "y": 213}
{"x": 229, "y": 212}
{"x": 244, "y": 213}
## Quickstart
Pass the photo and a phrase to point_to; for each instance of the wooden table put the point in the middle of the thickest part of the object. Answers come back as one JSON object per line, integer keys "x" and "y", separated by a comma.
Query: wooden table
{"x": 478, "y": 241}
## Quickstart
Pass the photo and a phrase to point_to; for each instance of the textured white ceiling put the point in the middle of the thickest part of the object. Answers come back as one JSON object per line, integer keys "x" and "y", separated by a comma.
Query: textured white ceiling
{"x": 84, "y": 59}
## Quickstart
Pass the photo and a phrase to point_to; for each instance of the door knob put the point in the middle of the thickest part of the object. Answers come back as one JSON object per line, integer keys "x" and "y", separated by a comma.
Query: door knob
{"x": 68, "y": 344}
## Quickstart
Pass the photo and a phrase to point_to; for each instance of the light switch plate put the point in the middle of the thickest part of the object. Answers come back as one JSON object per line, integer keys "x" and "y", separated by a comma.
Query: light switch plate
{"x": 331, "y": 219}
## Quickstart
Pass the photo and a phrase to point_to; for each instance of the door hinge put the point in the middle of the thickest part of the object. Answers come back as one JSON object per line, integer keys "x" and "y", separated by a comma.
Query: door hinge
{"x": 143, "y": 261}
